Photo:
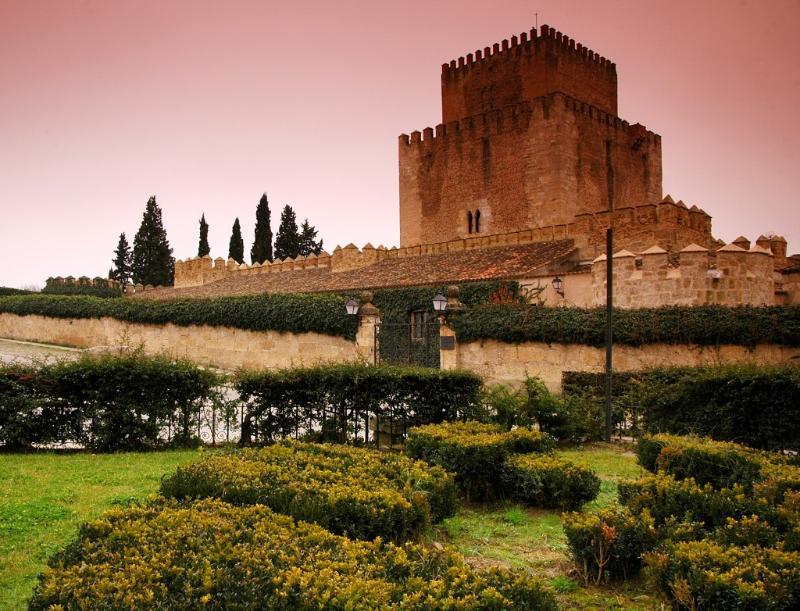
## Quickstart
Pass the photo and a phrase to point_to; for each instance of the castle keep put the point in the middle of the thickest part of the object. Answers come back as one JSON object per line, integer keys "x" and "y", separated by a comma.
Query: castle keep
{"x": 528, "y": 168}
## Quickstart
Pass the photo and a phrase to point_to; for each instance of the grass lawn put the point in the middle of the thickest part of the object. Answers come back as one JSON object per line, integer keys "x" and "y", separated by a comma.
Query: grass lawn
{"x": 511, "y": 535}
{"x": 45, "y": 496}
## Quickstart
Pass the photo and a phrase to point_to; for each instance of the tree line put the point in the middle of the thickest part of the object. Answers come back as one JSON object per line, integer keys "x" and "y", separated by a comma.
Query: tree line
{"x": 151, "y": 261}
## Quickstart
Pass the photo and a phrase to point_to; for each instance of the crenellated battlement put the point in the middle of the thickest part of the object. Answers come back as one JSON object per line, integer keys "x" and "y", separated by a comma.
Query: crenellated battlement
{"x": 519, "y": 116}
{"x": 527, "y": 43}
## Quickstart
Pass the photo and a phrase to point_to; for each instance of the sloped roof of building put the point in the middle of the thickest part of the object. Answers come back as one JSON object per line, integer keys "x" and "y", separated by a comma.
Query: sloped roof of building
{"x": 496, "y": 263}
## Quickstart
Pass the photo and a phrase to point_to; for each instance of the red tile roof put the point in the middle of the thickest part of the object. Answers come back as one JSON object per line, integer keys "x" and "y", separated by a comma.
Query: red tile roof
{"x": 498, "y": 263}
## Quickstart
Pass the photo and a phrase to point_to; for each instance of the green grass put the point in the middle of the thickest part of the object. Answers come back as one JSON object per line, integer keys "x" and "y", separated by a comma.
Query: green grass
{"x": 45, "y": 496}
{"x": 508, "y": 534}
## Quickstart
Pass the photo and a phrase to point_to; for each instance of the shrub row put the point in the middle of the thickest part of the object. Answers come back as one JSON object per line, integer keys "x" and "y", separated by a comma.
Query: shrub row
{"x": 209, "y": 554}
{"x": 5, "y": 291}
{"x": 475, "y": 452}
{"x": 356, "y": 492}
{"x": 92, "y": 290}
{"x": 104, "y": 403}
{"x": 295, "y": 313}
{"x": 549, "y": 481}
{"x": 340, "y": 399}
{"x": 701, "y": 325}
{"x": 753, "y": 405}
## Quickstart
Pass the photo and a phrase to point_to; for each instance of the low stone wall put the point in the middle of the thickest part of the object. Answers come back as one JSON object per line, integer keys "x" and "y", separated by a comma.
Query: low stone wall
{"x": 222, "y": 347}
{"x": 501, "y": 363}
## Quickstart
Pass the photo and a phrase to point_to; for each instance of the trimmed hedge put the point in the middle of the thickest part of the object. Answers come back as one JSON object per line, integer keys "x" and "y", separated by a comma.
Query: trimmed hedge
{"x": 608, "y": 545}
{"x": 294, "y": 313}
{"x": 474, "y": 451}
{"x": 6, "y": 291}
{"x": 350, "y": 491}
{"x": 209, "y": 554}
{"x": 105, "y": 292}
{"x": 104, "y": 403}
{"x": 706, "y": 575}
{"x": 700, "y": 325}
{"x": 549, "y": 481}
{"x": 336, "y": 401}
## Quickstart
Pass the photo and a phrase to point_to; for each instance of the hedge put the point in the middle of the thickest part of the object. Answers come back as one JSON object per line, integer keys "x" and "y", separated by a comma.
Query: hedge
{"x": 700, "y": 325}
{"x": 5, "y": 291}
{"x": 103, "y": 403}
{"x": 608, "y": 545}
{"x": 209, "y": 554}
{"x": 294, "y": 313}
{"x": 91, "y": 290}
{"x": 706, "y": 575}
{"x": 475, "y": 452}
{"x": 335, "y": 402}
{"x": 356, "y": 492}
{"x": 549, "y": 481}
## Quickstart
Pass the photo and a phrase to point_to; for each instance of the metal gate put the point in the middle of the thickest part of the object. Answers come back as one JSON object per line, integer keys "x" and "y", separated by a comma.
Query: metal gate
{"x": 416, "y": 343}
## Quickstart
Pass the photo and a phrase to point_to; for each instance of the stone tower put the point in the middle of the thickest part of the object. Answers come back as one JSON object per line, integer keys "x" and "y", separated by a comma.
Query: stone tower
{"x": 529, "y": 138}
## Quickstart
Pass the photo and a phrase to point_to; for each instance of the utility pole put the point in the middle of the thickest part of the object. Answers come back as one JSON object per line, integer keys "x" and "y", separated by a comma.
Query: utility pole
{"x": 609, "y": 326}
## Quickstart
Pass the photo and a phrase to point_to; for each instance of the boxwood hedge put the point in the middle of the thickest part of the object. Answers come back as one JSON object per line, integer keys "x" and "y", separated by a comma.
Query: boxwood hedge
{"x": 212, "y": 555}
{"x": 356, "y": 492}
{"x": 549, "y": 481}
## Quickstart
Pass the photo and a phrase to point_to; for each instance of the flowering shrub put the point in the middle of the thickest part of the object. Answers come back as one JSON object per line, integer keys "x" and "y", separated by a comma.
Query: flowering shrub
{"x": 475, "y": 452}
{"x": 608, "y": 545}
{"x": 209, "y": 554}
{"x": 706, "y": 575}
{"x": 548, "y": 481}
{"x": 350, "y": 491}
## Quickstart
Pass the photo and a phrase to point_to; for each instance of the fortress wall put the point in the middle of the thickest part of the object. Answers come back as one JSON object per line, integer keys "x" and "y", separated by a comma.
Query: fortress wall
{"x": 526, "y": 67}
{"x": 222, "y": 347}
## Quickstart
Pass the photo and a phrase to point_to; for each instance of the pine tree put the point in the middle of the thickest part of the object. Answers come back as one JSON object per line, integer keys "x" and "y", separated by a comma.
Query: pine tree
{"x": 262, "y": 244}
{"x": 121, "y": 272}
{"x": 308, "y": 243}
{"x": 236, "y": 246}
{"x": 287, "y": 242}
{"x": 203, "y": 248}
{"x": 152, "y": 261}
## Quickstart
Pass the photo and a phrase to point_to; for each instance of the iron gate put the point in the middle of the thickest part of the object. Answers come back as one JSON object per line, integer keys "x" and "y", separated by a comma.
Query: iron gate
{"x": 408, "y": 344}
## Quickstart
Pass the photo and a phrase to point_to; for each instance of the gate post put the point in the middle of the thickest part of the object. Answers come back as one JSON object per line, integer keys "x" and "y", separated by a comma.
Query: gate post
{"x": 369, "y": 317}
{"x": 448, "y": 345}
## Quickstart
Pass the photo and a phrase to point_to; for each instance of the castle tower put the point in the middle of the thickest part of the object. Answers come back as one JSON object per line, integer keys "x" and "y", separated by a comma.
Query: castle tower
{"x": 530, "y": 138}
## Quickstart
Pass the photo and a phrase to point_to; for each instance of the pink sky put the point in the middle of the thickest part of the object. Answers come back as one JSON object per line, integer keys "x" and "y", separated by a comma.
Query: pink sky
{"x": 208, "y": 104}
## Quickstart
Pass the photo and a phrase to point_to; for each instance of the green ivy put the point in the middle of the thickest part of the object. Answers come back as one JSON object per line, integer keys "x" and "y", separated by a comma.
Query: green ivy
{"x": 700, "y": 325}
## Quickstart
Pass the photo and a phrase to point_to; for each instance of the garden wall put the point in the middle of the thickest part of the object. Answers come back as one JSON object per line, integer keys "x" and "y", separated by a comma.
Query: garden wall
{"x": 222, "y": 347}
{"x": 505, "y": 363}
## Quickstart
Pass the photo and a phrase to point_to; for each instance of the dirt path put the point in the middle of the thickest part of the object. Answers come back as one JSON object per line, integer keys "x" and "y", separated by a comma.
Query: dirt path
{"x": 12, "y": 351}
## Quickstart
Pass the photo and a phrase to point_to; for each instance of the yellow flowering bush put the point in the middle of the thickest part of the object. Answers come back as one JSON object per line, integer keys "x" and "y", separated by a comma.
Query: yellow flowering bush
{"x": 210, "y": 554}
{"x": 357, "y": 492}
{"x": 549, "y": 481}
{"x": 474, "y": 451}
{"x": 707, "y": 575}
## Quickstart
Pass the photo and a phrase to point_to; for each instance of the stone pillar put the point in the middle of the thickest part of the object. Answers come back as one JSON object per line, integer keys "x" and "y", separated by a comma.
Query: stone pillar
{"x": 448, "y": 345}
{"x": 369, "y": 317}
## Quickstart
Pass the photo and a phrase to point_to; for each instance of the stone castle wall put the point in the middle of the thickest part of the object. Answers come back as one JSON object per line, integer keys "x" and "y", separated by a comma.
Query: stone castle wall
{"x": 536, "y": 163}
{"x": 222, "y": 347}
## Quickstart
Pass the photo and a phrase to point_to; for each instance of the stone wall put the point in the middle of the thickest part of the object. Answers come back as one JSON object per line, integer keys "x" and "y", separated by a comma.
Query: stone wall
{"x": 501, "y": 363}
{"x": 222, "y": 347}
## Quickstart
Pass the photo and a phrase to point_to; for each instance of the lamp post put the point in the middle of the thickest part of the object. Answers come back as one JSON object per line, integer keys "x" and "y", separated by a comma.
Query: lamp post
{"x": 351, "y": 307}
{"x": 558, "y": 285}
{"x": 440, "y": 303}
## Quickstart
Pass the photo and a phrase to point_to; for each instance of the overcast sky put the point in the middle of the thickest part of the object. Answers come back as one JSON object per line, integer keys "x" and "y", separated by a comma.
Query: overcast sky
{"x": 208, "y": 104}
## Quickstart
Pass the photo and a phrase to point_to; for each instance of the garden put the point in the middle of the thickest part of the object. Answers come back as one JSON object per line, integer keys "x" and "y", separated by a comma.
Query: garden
{"x": 386, "y": 487}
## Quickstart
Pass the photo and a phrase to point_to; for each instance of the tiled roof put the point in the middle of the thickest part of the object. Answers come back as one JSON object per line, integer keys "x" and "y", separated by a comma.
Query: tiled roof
{"x": 505, "y": 262}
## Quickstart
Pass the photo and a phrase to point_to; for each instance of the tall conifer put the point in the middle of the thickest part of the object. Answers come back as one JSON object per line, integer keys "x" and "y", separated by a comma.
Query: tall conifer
{"x": 152, "y": 261}
{"x": 236, "y": 245}
{"x": 287, "y": 242}
{"x": 308, "y": 242}
{"x": 262, "y": 244}
{"x": 203, "y": 248}
{"x": 121, "y": 272}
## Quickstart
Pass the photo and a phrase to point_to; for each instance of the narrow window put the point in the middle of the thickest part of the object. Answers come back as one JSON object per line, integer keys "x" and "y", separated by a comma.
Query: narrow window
{"x": 469, "y": 221}
{"x": 477, "y": 221}
{"x": 418, "y": 322}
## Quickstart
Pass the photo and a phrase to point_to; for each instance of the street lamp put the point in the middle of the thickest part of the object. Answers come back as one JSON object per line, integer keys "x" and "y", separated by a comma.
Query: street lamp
{"x": 352, "y": 307}
{"x": 558, "y": 285}
{"x": 440, "y": 303}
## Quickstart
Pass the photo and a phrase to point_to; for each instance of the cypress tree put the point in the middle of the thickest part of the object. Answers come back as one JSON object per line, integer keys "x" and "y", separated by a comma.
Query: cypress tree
{"x": 287, "y": 242}
{"x": 236, "y": 245}
{"x": 152, "y": 261}
{"x": 203, "y": 248}
{"x": 121, "y": 270}
{"x": 308, "y": 242}
{"x": 262, "y": 244}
